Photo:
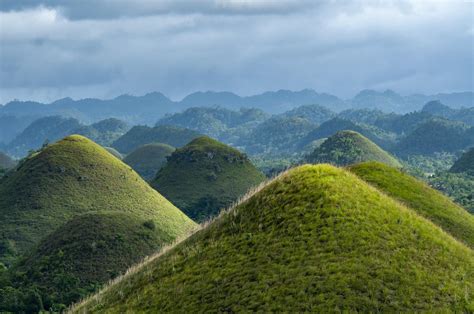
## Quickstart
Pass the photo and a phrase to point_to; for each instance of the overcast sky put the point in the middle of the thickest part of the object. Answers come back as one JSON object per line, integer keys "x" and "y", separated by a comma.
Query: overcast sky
{"x": 103, "y": 48}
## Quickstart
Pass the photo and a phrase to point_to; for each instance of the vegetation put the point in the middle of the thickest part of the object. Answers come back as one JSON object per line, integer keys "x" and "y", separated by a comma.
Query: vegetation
{"x": 426, "y": 201}
{"x": 349, "y": 147}
{"x": 439, "y": 109}
{"x": 104, "y": 132}
{"x": 148, "y": 159}
{"x": 206, "y": 176}
{"x": 465, "y": 164}
{"x": 141, "y": 135}
{"x": 78, "y": 258}
{"x": 72, "y": 177}
{"x": 458, "y": 186}
{"x": 114, "y": 152}
{"x": 313, "y": 113}
{"x": 316, "y": 239}
{"x": 6, "y": 162}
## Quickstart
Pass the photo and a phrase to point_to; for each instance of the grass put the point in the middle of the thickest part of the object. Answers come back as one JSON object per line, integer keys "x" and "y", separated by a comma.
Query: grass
{"x": 316, "y": 239}
{"x": 349, "y": 147}
{"x": 71, "y": 177}
{"x": 206, "y": 176}
{"x": 465, "y": 163}
{"x": 114, "y": 152}
{"x": 426, "y": 201}
{"x": 148, "y": 159}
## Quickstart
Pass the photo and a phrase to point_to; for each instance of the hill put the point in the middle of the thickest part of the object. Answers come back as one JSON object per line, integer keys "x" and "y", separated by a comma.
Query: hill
{"x": 114, "y": 152}
{"x": 349, "y": 147}
{"x": 148, "y": 159}
{"x": 141, "y": 135}
{"x": 313, "y": 113}
{"x": 316, "y": 239}
{"x": 72, "y": 177}
{"x": 206, "y": 176}
{"x": 104, "y": 132}
{"x": 424, "y": 200}
{"x": 439, "y": 109}
{"x": 79, "y": 257}
{"x": 435, "y": 135}
{"x": 6, "y": 162}
{"x": 465, "y": 163}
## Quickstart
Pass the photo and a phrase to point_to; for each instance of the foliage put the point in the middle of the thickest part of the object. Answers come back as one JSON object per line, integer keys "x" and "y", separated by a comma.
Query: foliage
{"x": 349, "y": 147}
{"x": 313, "y": 113}
{"x": 148, "y": 159}
{"x": 206, "y": 176}
{"x": 458, "y": 186}
{"x": 71, "y": 177}
{"x": 316, "y": 239}
{"x": 104, "y": 132}
{"x": 465, "y": 163}
{"x": 141, "y": 135}
{"x": 426, "y": 201}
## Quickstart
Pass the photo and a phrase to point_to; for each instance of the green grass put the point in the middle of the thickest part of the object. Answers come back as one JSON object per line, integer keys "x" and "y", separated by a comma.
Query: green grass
{"x": 72, "y": 177}
{"x": 316, "y": 239}
{"x": 426, "y": 201}
{"x": 83, "y": 254}
{"x": 148, "y": 159}
{"x": 349, "y": 147}
{"x": 114, "y": 152}
{"x": 206, "y": 176}
{"x": 465, "y": 163}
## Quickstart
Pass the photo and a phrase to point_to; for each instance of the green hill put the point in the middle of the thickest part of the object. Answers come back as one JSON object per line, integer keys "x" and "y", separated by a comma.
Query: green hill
{"x": 71, "y": 177}
{"x": 316, "y": 239}
{"x": 148, "y": 159}
{"x": 114, "y": 152}
{"x": 206, "y": 176}
{"x": 79, "y": 257}
{"x": 141, "y": 135}
{"x": 424, "y": 200}
{"x": 465, "y": 163}
{"x": 349, "y": 147}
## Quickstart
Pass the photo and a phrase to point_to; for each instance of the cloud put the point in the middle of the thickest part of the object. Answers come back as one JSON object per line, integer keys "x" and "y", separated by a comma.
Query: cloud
{"x": 103, "y": 48}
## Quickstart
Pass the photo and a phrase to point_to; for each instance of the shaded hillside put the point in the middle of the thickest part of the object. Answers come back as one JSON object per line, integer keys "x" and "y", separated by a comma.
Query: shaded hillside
{"x": 349, "y": 147}
{"x": 316, "y": 239}
{"x": 79, "y": 257}
{"x": 11, "y": 126}
{"x": 141, "y": 135}
{"x": 206, "y": 176}
{"x": 435, "y": 135}
{"x": 114, "y": 152}
{"x": 6, "y": 162}
{"x": 313, "y": 113}
{"x": 71, "y": 177}
{"x": 104, "y": 132}
{"x": 439, "y": 109}
{"x": 465, "y": 163}
{"x": 148, "y": 159}
{"x": 424, "y": 200}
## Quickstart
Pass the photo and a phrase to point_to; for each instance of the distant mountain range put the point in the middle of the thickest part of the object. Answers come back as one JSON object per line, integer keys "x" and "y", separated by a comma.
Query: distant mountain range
{"x": 149, "y": 108}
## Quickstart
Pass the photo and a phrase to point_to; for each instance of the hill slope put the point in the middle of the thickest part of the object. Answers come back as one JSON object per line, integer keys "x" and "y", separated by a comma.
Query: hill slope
{"x": 148, "y": 159}
{"x": 80, "y": 256}
{"x": 71, "y": 177}
{"x": 317, "y": 239}
{"x": 465, "y": 163}
{"x": 141, "y": 135}
{"x": 6, "y": 162}
{"x": 349, "y": 147}
{"x": 424, "y": 200}
{"x": 205, "y": 176}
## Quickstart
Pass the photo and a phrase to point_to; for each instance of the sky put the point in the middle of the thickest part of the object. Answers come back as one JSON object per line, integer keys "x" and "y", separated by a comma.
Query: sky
{"x": 51, "y": 49}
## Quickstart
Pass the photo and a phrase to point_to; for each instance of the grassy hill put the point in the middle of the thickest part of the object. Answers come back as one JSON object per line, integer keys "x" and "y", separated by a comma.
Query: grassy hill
{"x": 424, "y": 200}
{"x": 465, "y": 163}
{"x": 141, "y": 135}
{"x": 80, "y": 256}
{"x": 72, "y": 177}
{"x": 349, "y": 147}
{"x": 205, "y": 176}
{"x": 316, "y": 239}
{"x": 114, "y": 152}
{"x": 148, "y": 159}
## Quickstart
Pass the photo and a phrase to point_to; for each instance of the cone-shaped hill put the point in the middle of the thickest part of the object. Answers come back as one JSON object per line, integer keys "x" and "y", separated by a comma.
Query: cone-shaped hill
{"x": 349, "y": 147}
{"x": 205, "y": 176}
{"x": 426, "y": 201}
{"x": 114, "y": 152}
{"x": 83, "y": 254}
{"x": 6, "y": 162}
{"x": 148, "y": 159}
{"x": 71, "y": 177}
{"x": 316, "y": 239}
{"x": 465, "y": 163}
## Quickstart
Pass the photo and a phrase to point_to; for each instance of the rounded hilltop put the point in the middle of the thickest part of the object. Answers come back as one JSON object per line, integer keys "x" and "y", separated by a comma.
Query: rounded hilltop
{"x": 206, "y": 176}
{"x": 148, "y": 159}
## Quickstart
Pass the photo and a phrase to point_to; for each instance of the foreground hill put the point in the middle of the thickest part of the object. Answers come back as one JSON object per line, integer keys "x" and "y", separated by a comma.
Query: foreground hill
{"x": 349, "y": 147}
{"x": 465, "y": 163}
{"x": 316, "y": 239}
{"x": 206, "y": 176}
{"x": 71, "y": 177}
{"x": 426, "y": 201}
{"x": 141, "y": 135}
{"x": 148, "y": 159}
{"x": 79, "y": 257}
